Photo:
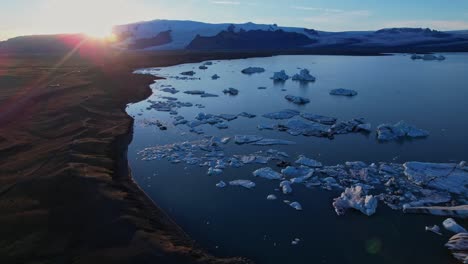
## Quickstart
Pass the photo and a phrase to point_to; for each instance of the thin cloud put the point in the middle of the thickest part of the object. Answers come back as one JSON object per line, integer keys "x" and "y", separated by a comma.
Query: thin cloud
{"x": 434, "y": 24}
{"x": 225, "y": 2}
{"x": 338, "y": 20}
{"x": 319, "y": 9}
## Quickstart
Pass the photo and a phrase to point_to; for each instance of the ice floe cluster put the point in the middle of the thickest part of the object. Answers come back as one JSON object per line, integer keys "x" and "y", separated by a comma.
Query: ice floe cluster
{"x": 413, "y": 187}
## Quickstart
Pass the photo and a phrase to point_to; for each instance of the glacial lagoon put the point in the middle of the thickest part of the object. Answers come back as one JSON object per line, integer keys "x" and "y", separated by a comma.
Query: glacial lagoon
{"x": 238, "y": 221}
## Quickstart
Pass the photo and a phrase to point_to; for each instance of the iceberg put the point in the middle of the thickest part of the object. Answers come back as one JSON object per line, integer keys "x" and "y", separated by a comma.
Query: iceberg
{"x": 194, "y": 92}
{"x": 296, "y": 205}
{"x": 272, "y": 141}
{"x": 271, "y": 197}
{"x": 319, "y": 118}
{"x": 252, "y": 70}
{"x": 303, "y": 76}
{"x": 354, "y": 197}
{"x": 297, "y": 99}
{"x": 246, "y": 139}
{"x": 267, "y": 173}
{"x": 280, "y": 76}
{"x": 387, "y": 132}
{"x": 449, "y": 177}
{"x": 458, "y": 244}
{"x": 303, "y": 160}
{"x": 343, "y": 92}
{"x": 452, "y": 226}
{"x": 285, "y": 187}
{"x": 283, "y": 114}
{"x": 221, "y": 184}
{"x": 244, "y": 183}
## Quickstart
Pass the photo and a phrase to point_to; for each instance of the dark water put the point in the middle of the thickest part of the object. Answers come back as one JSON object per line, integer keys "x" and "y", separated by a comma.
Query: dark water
{"x": 235, "y": 221}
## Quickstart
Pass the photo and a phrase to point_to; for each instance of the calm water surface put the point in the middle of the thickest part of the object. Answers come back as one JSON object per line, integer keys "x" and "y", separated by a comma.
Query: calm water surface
{"x": 235, "y": 221}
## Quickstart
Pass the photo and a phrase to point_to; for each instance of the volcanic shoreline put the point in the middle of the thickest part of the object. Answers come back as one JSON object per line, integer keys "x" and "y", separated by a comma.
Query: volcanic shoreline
{"x": 66, "y": 191}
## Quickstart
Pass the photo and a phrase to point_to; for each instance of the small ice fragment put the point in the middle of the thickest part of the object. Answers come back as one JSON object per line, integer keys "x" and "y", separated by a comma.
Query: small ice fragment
{"x": 296, "y": 206}
{"x": 244, "y": 183}
{"x": 434, "y": 229}
{"x": 452, "y": 226}
{"x": 285, "y": 187}
{"x": 221, "y": 184}
{"x": 271, "y": 197}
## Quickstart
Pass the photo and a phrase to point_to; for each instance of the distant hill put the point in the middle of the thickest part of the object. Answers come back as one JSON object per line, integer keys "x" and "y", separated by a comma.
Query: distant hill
{"x": 59, "y": 43}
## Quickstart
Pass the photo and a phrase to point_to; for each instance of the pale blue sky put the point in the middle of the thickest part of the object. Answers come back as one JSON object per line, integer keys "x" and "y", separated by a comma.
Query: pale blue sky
{"x": 20, "y": 17}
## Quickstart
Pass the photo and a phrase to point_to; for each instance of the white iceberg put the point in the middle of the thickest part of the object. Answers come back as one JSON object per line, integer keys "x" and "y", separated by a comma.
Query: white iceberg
{"x": 452, "y": 226}
{"x": 244, "y": 183}
{"x": 355, "y": 197}
{"x": 267, "y": 173}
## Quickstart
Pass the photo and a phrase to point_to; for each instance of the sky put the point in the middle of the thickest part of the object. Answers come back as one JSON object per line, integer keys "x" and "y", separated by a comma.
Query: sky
{"x": 96, "y": 17}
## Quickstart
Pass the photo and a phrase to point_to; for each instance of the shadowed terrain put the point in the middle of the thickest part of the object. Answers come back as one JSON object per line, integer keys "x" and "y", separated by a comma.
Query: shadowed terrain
{"x": 66, "y": 195}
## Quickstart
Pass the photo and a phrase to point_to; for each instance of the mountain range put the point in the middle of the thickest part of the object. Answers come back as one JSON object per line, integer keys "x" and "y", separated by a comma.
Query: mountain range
{"x": 160, "y": 35}
{"x": 192, "y": 35}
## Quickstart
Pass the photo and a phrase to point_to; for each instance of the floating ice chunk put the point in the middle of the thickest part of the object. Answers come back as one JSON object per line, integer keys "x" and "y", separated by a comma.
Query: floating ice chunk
{"x": 244, "y": 183}
{"x": 227, "y": 117}
{"x": 319, "y": 118}
{"x": 354, "y": 197}
{"x": 225, "y": 140}
{"x": 271, "y": 197}
{"x": 343, "y": 92}
{"x": 194, "y": 92}
{"x": 222, "y": 125}
{"x": 294, "y": 172}
{"x": 266, "y": 126}
{"x": 171, "y": 90}
{"x": 267, "y": 173}
{"x": 416, "y": 57}
{"x": 458, "y": 244}
{"x": 231, "y": 91}
{"x": 284, "y": 114}
{"x": 303, "y": 76}
{"x": 431, "y": 57}
{"x": 209, "y": 95}
{"x": 297, "y": 99}
{"x": 208, "y": 63}
{"x": 296, "y": 206}
{"x": 386, "y": 132}
{"x": 261, "y": 88}
{"x": 221, "y": 184}
{"x": 215, "y": 77}
{"x": 434, "y": 229}
{"x": 202, "y": 67}
{"x": 454, "y": 211}
{"x": 285, "y": 187}
{"x": 295, "y": 241}
{"x": 272, "y": 141}
{"x": 297, "y": 127}
{"x": 280, "y": 76}
{"x": 366, "y": 127}
{"x": 197, "y": 130}
{"x": 188, "y": 73}
{"x": 441, "y": 176}
{"x": 303, "y": 160}
{"x": 245, "y": 139}
{"x": 252, "y": 70}
{"x": 248, "y": 115}
{"x": 452, "y": 226}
